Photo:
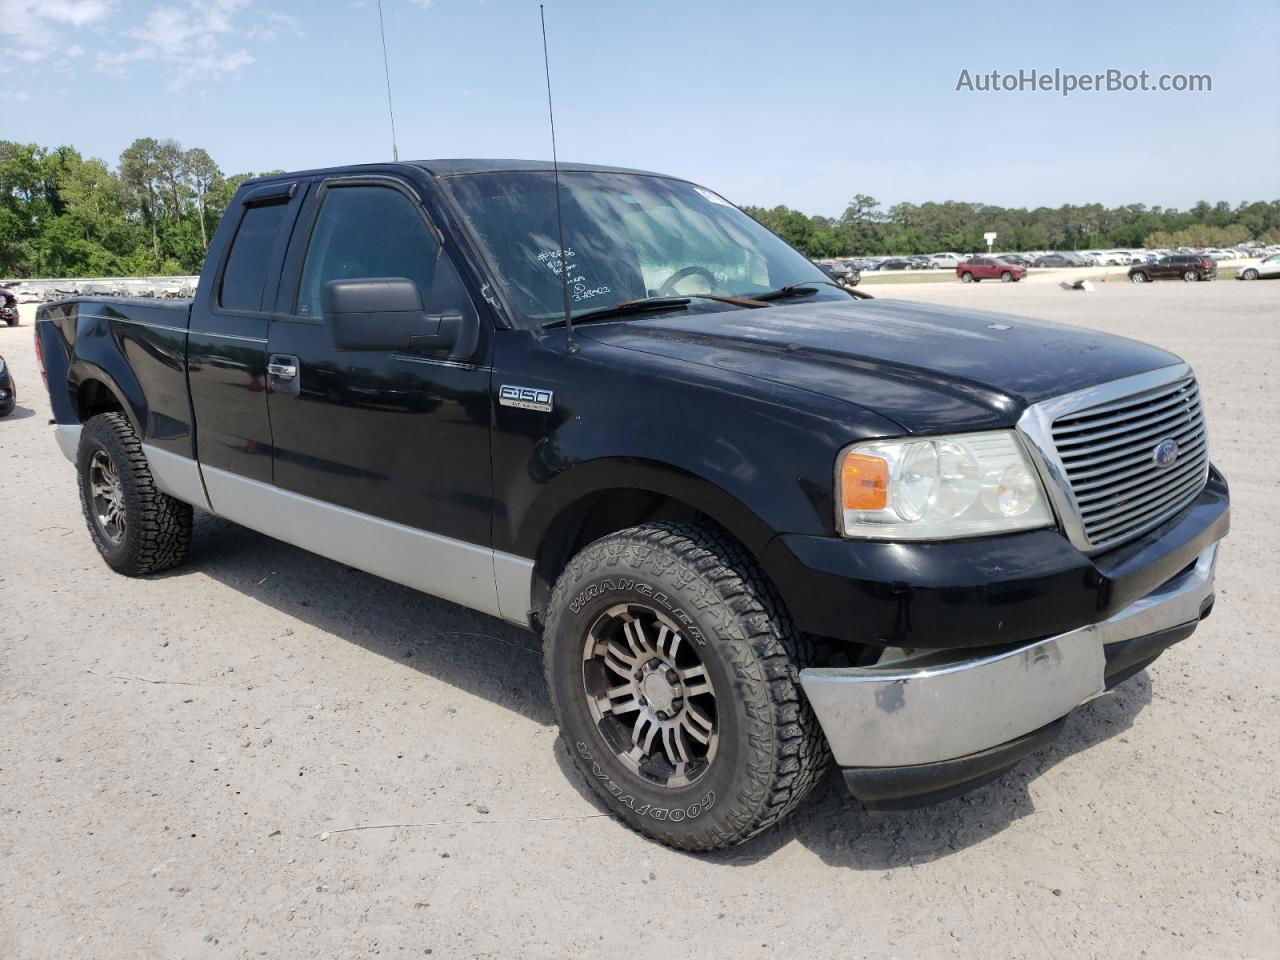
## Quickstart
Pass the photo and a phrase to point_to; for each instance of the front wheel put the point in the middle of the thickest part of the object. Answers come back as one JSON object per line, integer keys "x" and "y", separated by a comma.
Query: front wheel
{"x": 1250, "y": 274}
{"x": 966, "y": 278}
{"x": 1006, "y": 276}
{"x": 1190, "y": 276}
{"x": 137, "y": 528}
{"x": 1139, "y": 278}
{"x": 673, "y": 673}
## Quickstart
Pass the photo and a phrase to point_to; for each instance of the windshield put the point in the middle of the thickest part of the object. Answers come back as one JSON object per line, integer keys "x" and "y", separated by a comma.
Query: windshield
{"x": 626, "y": 237}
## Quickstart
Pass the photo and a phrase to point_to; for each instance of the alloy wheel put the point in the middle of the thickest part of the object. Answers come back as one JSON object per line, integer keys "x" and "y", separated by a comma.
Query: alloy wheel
{"x": 650, "y": 695}
{"x": 108, "y": 496}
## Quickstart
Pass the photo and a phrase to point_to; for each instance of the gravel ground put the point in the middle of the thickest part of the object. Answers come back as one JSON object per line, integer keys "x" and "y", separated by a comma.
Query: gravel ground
{"x": 268, "y": 754}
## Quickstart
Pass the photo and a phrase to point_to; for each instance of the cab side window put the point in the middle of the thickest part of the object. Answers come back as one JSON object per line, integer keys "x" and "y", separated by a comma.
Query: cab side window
{"x": 363, "y": 232}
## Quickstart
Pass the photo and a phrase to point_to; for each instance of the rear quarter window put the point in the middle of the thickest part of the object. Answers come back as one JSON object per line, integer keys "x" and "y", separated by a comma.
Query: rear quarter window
{"x": 245, "y": 274}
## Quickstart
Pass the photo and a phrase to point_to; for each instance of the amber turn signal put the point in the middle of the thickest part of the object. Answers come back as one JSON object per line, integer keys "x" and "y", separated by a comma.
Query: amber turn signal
{"x": 864, "y": 481}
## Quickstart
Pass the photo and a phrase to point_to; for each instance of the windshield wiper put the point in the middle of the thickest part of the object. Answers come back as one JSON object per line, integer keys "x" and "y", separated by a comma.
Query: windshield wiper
{"x": 791, "y": 290}
{"x": 624, "y": 308}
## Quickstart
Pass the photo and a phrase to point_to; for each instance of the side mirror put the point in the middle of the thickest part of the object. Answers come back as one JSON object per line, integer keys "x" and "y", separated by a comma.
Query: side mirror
{"x": 386, "y": 313}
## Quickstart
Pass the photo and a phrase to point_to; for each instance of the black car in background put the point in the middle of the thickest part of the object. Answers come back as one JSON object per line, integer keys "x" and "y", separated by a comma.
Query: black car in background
{"x": 8, "y": 307}
{"x": 8, "y": 394}
{"x": 842, "y": 272}
{"x": 1055, "y": 260}
{"x": 847, "y": 273}
{"x": 897, "y": 263}
{"x": 1179, "y": 266}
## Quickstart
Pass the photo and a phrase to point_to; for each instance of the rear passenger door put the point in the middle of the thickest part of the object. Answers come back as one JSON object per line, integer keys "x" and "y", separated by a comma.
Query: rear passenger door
{"x": 227, "y": 344}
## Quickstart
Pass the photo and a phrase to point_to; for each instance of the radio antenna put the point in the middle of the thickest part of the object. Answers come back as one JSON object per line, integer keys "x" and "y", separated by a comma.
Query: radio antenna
{"x": 555, "y": 166}
{"x": 386, "y": 69}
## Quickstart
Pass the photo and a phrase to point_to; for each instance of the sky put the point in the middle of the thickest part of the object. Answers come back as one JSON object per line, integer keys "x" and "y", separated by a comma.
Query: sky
{"x": 798, "y": 103}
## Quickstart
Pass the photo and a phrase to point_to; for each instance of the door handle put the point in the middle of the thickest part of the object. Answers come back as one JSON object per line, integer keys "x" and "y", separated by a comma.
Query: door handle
{"x": 282, "y": 374}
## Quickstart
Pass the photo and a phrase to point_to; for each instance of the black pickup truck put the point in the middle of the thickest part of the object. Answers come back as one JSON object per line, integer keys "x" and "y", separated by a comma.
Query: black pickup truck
{"x": 759, "y": 523}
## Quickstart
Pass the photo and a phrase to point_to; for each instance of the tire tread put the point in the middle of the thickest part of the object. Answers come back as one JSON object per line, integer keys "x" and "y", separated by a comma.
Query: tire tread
{"x": 158, "y": 526}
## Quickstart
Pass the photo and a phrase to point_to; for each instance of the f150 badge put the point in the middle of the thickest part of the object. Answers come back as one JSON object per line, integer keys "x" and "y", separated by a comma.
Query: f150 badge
{"x": 525, "y": 398}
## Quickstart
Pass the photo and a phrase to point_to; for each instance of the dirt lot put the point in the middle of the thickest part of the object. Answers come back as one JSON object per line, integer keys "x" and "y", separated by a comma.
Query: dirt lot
{"x": 183, "y": 759}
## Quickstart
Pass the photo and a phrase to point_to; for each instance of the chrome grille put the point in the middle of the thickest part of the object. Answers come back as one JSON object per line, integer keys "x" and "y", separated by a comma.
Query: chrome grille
{"x": 1107, "y": 455}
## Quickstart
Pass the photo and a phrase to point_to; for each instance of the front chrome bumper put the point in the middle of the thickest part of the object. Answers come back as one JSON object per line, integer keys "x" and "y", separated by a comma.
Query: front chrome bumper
{"x": 941, "y": 705}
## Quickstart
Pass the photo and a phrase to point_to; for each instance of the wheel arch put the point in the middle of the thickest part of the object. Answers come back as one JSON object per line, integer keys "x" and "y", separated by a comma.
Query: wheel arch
{"x": 599, "y": 497}
{"x": 92, "y": 390}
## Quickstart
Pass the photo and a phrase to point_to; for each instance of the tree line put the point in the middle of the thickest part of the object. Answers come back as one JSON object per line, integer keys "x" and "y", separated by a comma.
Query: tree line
{"x": 62, "y": 215}
{"x": 866, "y": 229}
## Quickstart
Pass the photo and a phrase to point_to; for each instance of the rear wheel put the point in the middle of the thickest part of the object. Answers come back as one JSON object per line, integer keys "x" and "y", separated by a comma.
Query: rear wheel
{"x": 673, "y": 672}
{"x": 137, "y": 528}
{"x": 1190, "y": 276}
{"x": 966, "y": 277}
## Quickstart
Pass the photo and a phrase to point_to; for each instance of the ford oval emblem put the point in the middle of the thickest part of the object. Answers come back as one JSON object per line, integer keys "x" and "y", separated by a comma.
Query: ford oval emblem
{"x": 1165, "y": 453}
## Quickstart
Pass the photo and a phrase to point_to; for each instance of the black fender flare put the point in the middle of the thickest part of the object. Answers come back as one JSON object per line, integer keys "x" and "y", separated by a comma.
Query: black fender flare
{"x": 591, "y": 477}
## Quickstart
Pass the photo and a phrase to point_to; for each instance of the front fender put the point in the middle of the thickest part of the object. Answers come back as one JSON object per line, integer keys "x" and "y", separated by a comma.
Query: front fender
{"x": 584, "y": 480}
{"x": 756, "y": 456}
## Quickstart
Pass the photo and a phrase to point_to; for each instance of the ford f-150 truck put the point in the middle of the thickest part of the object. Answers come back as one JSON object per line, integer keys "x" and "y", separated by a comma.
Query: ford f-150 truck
{"x": 758, "y": 523}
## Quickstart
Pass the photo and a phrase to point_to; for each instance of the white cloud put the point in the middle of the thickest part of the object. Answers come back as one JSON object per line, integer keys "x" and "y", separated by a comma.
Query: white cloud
{"x": 34, "y": 28}
{"x": 191, "y": 38}
{"x": 196, "y": 40}
{"x": 271, "y": 23}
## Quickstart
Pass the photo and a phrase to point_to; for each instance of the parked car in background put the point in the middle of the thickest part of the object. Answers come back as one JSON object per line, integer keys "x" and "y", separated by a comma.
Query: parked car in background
{"x": 841, "y": 271}
{"x": 1267, "y": 269}
{"x": 1055, "y": 260}
{"x": 1016, "y": 258}
{"x": 847, "y": 273}
{"x": 897, "y": 263}
{"x": 8, "y": 392}
{"x": 944, "y": 261}
{"x": 989, "y": 268}
{"x": 1179, "y": 266}
{"x": 8, "y": 307}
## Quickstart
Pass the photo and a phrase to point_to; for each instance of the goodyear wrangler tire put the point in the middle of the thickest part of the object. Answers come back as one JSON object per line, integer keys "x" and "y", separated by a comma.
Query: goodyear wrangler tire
{"x": 137, "y": 528}
{"x": 673, "y": 672}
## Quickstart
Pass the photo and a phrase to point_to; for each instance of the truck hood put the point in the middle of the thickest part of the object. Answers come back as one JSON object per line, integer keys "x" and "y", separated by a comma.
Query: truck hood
{"x": 931, "y": 369}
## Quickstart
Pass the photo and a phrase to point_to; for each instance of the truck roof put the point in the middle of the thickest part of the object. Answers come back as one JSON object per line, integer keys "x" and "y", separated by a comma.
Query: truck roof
{"x": 459, "y": 167}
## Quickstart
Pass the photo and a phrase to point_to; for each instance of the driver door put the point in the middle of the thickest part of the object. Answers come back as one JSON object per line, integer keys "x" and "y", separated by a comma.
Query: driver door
{"x": 381, "y": 456}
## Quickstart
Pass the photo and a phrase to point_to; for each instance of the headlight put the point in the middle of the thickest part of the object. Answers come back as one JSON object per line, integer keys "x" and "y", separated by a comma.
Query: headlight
{"x": 939, "y": 488}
